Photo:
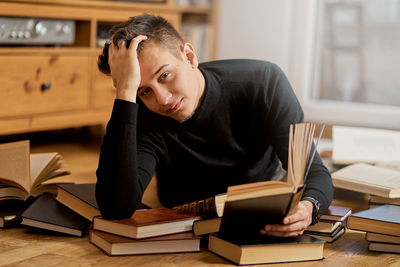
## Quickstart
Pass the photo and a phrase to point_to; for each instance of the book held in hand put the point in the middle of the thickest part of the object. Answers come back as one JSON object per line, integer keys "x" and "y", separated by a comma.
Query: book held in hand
{"x": 267, "y": 249}
{"x": 118, "y": 245}
{"x": 249, "y": 207}
{"x": 46, "y": 213}
{"x": 23, "y": 174}
{"x": 383, "y": 219}
{"x": 147, "y": 223}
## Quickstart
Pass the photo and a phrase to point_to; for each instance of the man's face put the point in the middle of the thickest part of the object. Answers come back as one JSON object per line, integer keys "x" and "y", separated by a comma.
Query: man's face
{"x": 170, "y": 86}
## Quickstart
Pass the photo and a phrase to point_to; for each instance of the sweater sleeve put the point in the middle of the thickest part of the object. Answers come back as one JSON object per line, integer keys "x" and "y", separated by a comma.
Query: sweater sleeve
{"x": 123, "y": 174}
{"x": 284, "y": 109}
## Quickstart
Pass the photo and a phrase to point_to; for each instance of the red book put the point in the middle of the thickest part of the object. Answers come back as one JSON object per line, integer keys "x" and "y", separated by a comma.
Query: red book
{"x": 336, "y": 213}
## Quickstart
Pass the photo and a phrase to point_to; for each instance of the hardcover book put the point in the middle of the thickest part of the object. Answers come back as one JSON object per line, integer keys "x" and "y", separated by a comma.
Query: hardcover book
{"x": 368, "y": 179}
{"x": 249, "y": 207}
{"x": 384, "y": 247}
{"x": 10, "y": 212}
{"x": 328, "y": 237}
{"x": 46, "y": 213}
{"x": 381, "y": 238}
{"x": 118, "y": 245}
{"x": 208, "y": 207}
{"x": 267, "y": 249}
{"x": 206, "y": 226}
{"x": 323, "y": 227}
{"x": 383, "y": 220}
{"x": 336, "y": 213}
{"x": 23, "y": 174}
{"x": 147, "y": 223}
{"x": 81, "y": 198}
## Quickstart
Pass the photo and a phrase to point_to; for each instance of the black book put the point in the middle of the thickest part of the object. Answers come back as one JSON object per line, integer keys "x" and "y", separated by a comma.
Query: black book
{"x": 267, "y": 249}
{"x": 46, "y": 213}
{"x": 81, "y": 198}
{"x": 10, "y": 212}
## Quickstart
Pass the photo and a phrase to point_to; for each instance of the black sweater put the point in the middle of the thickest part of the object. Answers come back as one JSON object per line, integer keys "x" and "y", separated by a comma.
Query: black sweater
{"x": 238, "y": 134}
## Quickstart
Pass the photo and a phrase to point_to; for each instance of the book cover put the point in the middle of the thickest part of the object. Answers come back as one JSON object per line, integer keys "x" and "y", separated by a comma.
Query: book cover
{"x": 368, "y": 179}
{"x": 328, "y": 237}
{"x": 23, "y": 174}
{"x": 147, "y": 223}
{"x": 382, "y": 238}
{"x": 81, "y": 198}
{"x": 267, "y": 249}
{"x": 383, "y": 219}
{"x": 323, "y": 227}
{"x": 118, "y": 245}
{"x": 384, "y": 247}
{"x": 46, "y": 213}
{"x": 336, "y": 213}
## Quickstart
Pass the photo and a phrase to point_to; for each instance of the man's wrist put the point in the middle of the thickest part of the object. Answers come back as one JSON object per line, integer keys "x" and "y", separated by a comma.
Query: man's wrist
{"x": 315, "y": 212}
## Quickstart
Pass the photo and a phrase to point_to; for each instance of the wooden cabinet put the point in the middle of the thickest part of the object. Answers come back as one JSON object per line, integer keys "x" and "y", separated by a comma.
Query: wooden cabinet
{"x": 53, "y": 87}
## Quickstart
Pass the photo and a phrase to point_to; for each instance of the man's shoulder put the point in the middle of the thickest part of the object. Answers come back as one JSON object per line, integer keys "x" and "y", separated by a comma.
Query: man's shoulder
{"x": 237, "y": 64}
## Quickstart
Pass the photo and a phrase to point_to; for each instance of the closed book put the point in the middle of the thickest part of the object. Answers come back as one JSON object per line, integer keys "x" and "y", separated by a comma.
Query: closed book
{"x": 250, "y": 207}
{"x": 383, "y": 219}
{"x": 147, "y": 223}
{"x": 81, "y": 198}
{"x": 267, "y": 249}
{"x": 368, "y": 179}
{"x": 336, "y": 213}
{"x": 323, "y": 227}
{"x": 377, "y": 200}
{"x": 10, "y": 213}
{"x": 118, "y": 245}
{"x": 207, "y": 207}
{"x": 328, "y": 237}
{"x": 46, "y": 213}
{"x": 374, "y": 237}
{"x": 384, "y": 247}
{"x": 206, "y": 226}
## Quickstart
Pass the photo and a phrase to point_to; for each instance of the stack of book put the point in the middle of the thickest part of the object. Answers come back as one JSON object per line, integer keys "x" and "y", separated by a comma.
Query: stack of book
{"x": 382, "y": 225}
{"x": 332, "y": 224}
{"x": 376, "y": 201}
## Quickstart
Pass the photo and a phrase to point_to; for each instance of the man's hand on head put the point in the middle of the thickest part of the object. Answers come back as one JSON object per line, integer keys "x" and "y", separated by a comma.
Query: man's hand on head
{"x": 125, "y": 68}
{"x": 294, "y": 224}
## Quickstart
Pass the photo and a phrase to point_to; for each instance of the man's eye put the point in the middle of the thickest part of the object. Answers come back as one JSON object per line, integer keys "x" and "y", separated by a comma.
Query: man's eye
{"x": 145, "y": 92}
{"x": 164, "y": 75}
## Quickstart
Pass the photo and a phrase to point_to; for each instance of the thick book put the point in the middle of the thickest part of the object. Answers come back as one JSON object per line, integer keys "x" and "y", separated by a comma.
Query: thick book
{"x": 383, "y": 220}
{"x": 207, "y": 207}
{"x": 368, "y": 179}
{"x": 249, "y": 207}
{"x": 46, "y": 213}
{"x": 147, "y": 223}
{"x": 357, "y": 144}
{"x": 23, "y": 174}
{"x": 118, "y": 245}
{"x": 81, "y": 198}
{"x": 267, "y": 249}
{"x": 377, "y": 200}
{"x": 323, "y": 227}
{"x": 382, "y": 238}
{"x": 328, "y": 237}
{"x": 206, "y": 226}
{"x": 384, "y": 247}
{"x": 336, "y": 213}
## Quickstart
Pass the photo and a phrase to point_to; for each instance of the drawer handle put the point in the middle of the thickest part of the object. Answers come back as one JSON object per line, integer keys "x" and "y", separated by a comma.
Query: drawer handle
{"x": 45, "y": 86}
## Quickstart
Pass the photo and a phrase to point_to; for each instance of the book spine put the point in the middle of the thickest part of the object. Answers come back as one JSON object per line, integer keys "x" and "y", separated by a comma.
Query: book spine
{"x": 203, "y": 207}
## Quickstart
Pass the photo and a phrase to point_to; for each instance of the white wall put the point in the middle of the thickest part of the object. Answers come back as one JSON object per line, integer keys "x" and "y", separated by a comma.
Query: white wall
{"x": 258, "y": 29}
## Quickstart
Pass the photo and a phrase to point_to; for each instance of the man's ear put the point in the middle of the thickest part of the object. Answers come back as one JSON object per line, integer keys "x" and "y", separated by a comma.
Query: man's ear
{"x": 190, "y": 55}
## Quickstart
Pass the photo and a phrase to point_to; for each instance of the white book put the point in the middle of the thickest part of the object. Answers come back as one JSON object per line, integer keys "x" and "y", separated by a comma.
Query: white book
{"x": 354, "y": 144}
{"x": 368, "y": 179}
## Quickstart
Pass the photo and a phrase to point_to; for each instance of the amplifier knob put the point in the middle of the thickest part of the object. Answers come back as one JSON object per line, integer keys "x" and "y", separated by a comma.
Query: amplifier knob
{"x": 21, "y": 35}
{"x": 63, "y": 29}
{"x": 27, "y": 35}
{"x": 13, "y": 35}
{"x": 39, "y": 29}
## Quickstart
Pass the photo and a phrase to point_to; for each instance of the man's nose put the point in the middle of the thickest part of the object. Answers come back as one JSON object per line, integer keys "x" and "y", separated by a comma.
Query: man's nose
{"x": 163, "y": 96}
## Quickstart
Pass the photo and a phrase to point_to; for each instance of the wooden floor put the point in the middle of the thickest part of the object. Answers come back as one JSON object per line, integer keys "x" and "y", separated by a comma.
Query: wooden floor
{"x": 80, "y": 148}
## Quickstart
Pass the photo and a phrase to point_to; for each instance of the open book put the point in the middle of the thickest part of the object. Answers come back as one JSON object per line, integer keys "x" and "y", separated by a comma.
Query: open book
{"x": 249, "y": 207}
{"x": 23, "y": 174}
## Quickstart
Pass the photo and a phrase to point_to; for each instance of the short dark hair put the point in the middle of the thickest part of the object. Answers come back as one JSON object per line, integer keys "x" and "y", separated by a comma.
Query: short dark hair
{"x": 156, "y": 28}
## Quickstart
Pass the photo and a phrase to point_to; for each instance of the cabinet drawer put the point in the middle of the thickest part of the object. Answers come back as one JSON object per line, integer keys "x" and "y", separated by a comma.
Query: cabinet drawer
{"x": 104, "y": 91}
{"x": 41, "y": 84}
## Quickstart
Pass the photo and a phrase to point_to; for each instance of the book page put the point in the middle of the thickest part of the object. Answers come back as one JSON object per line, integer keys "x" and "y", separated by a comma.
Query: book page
{"x": 14, "y": 163}
{"x": 365, "y": 174}
{"x": 351, "y": 145}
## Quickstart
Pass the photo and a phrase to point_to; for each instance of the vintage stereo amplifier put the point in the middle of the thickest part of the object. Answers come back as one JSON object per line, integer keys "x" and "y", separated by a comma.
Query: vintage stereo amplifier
{"x": 36, "y": 31}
